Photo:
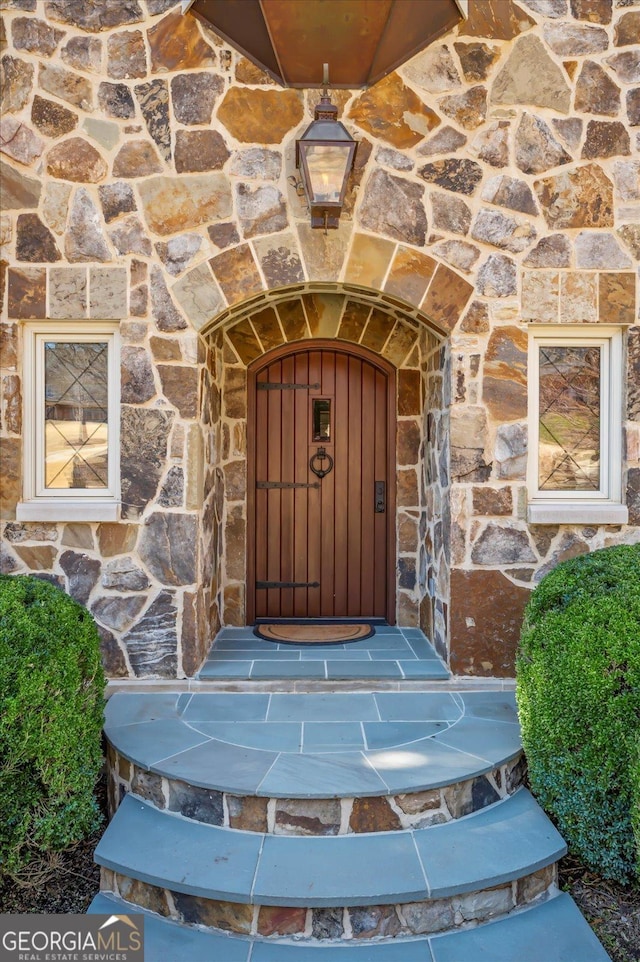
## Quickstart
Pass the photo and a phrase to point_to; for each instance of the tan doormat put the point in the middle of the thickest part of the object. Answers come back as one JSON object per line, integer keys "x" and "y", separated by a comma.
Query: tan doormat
{"x": 313, "y": 634}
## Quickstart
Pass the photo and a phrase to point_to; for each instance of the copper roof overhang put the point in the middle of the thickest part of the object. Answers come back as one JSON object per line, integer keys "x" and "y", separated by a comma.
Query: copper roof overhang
{"x": 361, "y": 40}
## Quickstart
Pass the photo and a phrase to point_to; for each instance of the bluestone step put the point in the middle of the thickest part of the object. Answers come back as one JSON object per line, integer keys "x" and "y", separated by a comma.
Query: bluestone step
{"x": 316, "y": 745}
{"x": 550, "y": 931}
{"x": 391, "y": 653}
{"x": 503, "y": 842}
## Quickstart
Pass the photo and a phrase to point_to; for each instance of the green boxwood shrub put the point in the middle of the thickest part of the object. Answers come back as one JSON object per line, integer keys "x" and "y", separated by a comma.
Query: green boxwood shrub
{"x": 51, "y": 716}
{"x": 578, "y": 692}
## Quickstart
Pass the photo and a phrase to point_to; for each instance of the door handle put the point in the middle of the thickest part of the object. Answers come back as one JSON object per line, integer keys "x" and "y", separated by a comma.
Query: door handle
{"x": 380, "y": 497}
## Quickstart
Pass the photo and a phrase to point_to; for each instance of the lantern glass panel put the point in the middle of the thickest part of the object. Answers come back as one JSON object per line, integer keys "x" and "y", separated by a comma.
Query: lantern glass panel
{"x": 326, "y": 164}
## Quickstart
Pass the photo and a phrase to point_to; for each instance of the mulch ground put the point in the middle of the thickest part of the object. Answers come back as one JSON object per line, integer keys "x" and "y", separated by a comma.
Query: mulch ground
{"x": 613, "y": 910}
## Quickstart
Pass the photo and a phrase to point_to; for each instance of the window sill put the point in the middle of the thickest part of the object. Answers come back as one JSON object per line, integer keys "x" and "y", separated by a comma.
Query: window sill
{"x": 573, "y": 512}
{"x": 61, "y": 510}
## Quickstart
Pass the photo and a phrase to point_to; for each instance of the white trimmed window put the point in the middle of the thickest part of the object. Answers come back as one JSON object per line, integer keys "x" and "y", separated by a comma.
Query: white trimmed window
{"x": 575, "y": 425}
{"x": 71, "y": 422}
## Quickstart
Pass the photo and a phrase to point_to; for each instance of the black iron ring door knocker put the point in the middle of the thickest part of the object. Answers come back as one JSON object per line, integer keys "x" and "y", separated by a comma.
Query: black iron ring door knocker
{"x": 321, "y": 456}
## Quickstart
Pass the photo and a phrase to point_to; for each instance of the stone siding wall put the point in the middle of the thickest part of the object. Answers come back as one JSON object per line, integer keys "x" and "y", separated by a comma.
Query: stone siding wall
{"x": 148, "y": 177}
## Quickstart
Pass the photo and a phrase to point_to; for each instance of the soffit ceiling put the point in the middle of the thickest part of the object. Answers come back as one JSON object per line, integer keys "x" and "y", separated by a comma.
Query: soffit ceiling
{"x": 361, "y": 40}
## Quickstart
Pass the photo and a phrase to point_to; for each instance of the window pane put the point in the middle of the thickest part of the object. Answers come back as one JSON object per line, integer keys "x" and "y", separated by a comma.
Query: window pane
{"x": 75, "y": 417}
{"x": 569, "y": 452}
{"x": 321, "y": 419}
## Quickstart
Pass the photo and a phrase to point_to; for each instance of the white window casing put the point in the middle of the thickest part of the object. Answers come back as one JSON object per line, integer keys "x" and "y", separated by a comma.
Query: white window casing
{"x": 42, "y": 503}
{"x": 567, "y": 506}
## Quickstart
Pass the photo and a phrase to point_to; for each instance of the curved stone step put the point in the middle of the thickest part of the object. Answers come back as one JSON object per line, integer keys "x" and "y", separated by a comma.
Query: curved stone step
{"x": 550, "y": 931}
{"x": 343, "y": 745}
{"x": 507, "y": 841}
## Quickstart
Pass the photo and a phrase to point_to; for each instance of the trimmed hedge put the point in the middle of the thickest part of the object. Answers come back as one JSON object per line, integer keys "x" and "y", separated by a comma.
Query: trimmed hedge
{"x": 578, "y": 692}
{"x": 51, "y": 716}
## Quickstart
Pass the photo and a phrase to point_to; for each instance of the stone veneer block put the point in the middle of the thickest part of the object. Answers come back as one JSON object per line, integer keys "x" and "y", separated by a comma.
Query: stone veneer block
{"x": 146, "y": 896}
{"x": 530, "y": 76}
{"x": 34, "y": 241}
{"x": 492, "y": 501}
{"x": 265, "y": 324}
{"x": 407, "y": 492}
{"x": 486, "y": 616}
{"x": 167, "y": 547}
{"x": 373, "y": 815}
{"x": 324, "y": 256}
{"x": 369, "y": 260}
{"x": 307, "y": 816}
{"x": 393, "y": 112}
{"x": 409, "y": 392}
{"x": 261, "y": 209}
{"x": 104, "y": 132}
{"x": 377, "y": 330}
{"x": 293, "y": 319}
{"x": 575, "y": 40}
{"x": 193, "y": 96}
{"x": 18, "y": 191}
{"x": 237, "y": 273}
{"x": 600, "y": 249}
{"x": 353, "y": 321}
{"x": 177, "y": 44}
{"x": 67, "y": 292}
{"x": 27, "y": 292}
{"x": 245, "y": 342}
{"x": 136, "y": 158}
{"x": 446, "y": 298}
{"x": 540, "y": 296}
{"x": 229, "y": 916}
{"x": 281, "y": 920}
{"x": 84, "y": 238}
{"x": 394, "y": 206}
{"x": 116, "y": 539}
{"x": 496, "y": 20}
{"x": 180, "y": 387}
{"x": 10, "y": 476}
{"x": 434, "y": 70}
{"x": 234, "y": 395}
{"x": 107, "y": 292}
{"x": 199, "y": 296}
{"x": 505, "y": 374}
{"x": 175, "y": 204}
{"x": 410, "y": 274}
{"x": 617, "y": 298}
{"x": 578, "y": 297}
{"x": 19, "y": 142}
{"x": 76, "y": 160}
{"x": 83, "y": 53}
{"x": 577, "y": 198}
{"x": 37, "y": 558}
{"x": 280, "y": 260}
{"x": 66, "y": 85}
{"x": 260, "y": 116}
{"x": 400, "y": 343}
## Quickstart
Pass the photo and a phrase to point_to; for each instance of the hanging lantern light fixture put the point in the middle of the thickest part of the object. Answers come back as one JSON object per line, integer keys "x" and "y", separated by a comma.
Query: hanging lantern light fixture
{"x": 325, "y": 155}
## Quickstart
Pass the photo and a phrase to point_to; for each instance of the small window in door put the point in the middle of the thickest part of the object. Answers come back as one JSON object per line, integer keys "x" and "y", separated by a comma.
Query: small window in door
{"x": 321, "y": 419}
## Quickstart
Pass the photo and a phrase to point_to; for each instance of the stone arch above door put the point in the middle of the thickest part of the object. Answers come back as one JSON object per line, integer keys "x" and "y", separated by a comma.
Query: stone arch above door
{"x": 341, "y": 314}
{"x": 242, "y": 277}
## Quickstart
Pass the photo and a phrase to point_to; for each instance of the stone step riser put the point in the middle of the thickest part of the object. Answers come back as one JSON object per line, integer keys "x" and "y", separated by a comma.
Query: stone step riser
{"x": 312, "y": 816}
{"x": 347, "y": 923}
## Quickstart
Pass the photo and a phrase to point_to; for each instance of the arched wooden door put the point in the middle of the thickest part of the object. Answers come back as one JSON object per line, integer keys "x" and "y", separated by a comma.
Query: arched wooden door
{"x": 321, "y": 484}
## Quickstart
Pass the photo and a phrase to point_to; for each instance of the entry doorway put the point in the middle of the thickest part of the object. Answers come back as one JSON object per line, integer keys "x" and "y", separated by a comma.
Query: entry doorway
{"x": 321, "y": 484}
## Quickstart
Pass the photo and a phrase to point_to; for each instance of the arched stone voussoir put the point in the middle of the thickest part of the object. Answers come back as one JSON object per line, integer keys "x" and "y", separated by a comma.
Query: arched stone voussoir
{"x": 238, "y": 281}
{"x": 329, "y": 312}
